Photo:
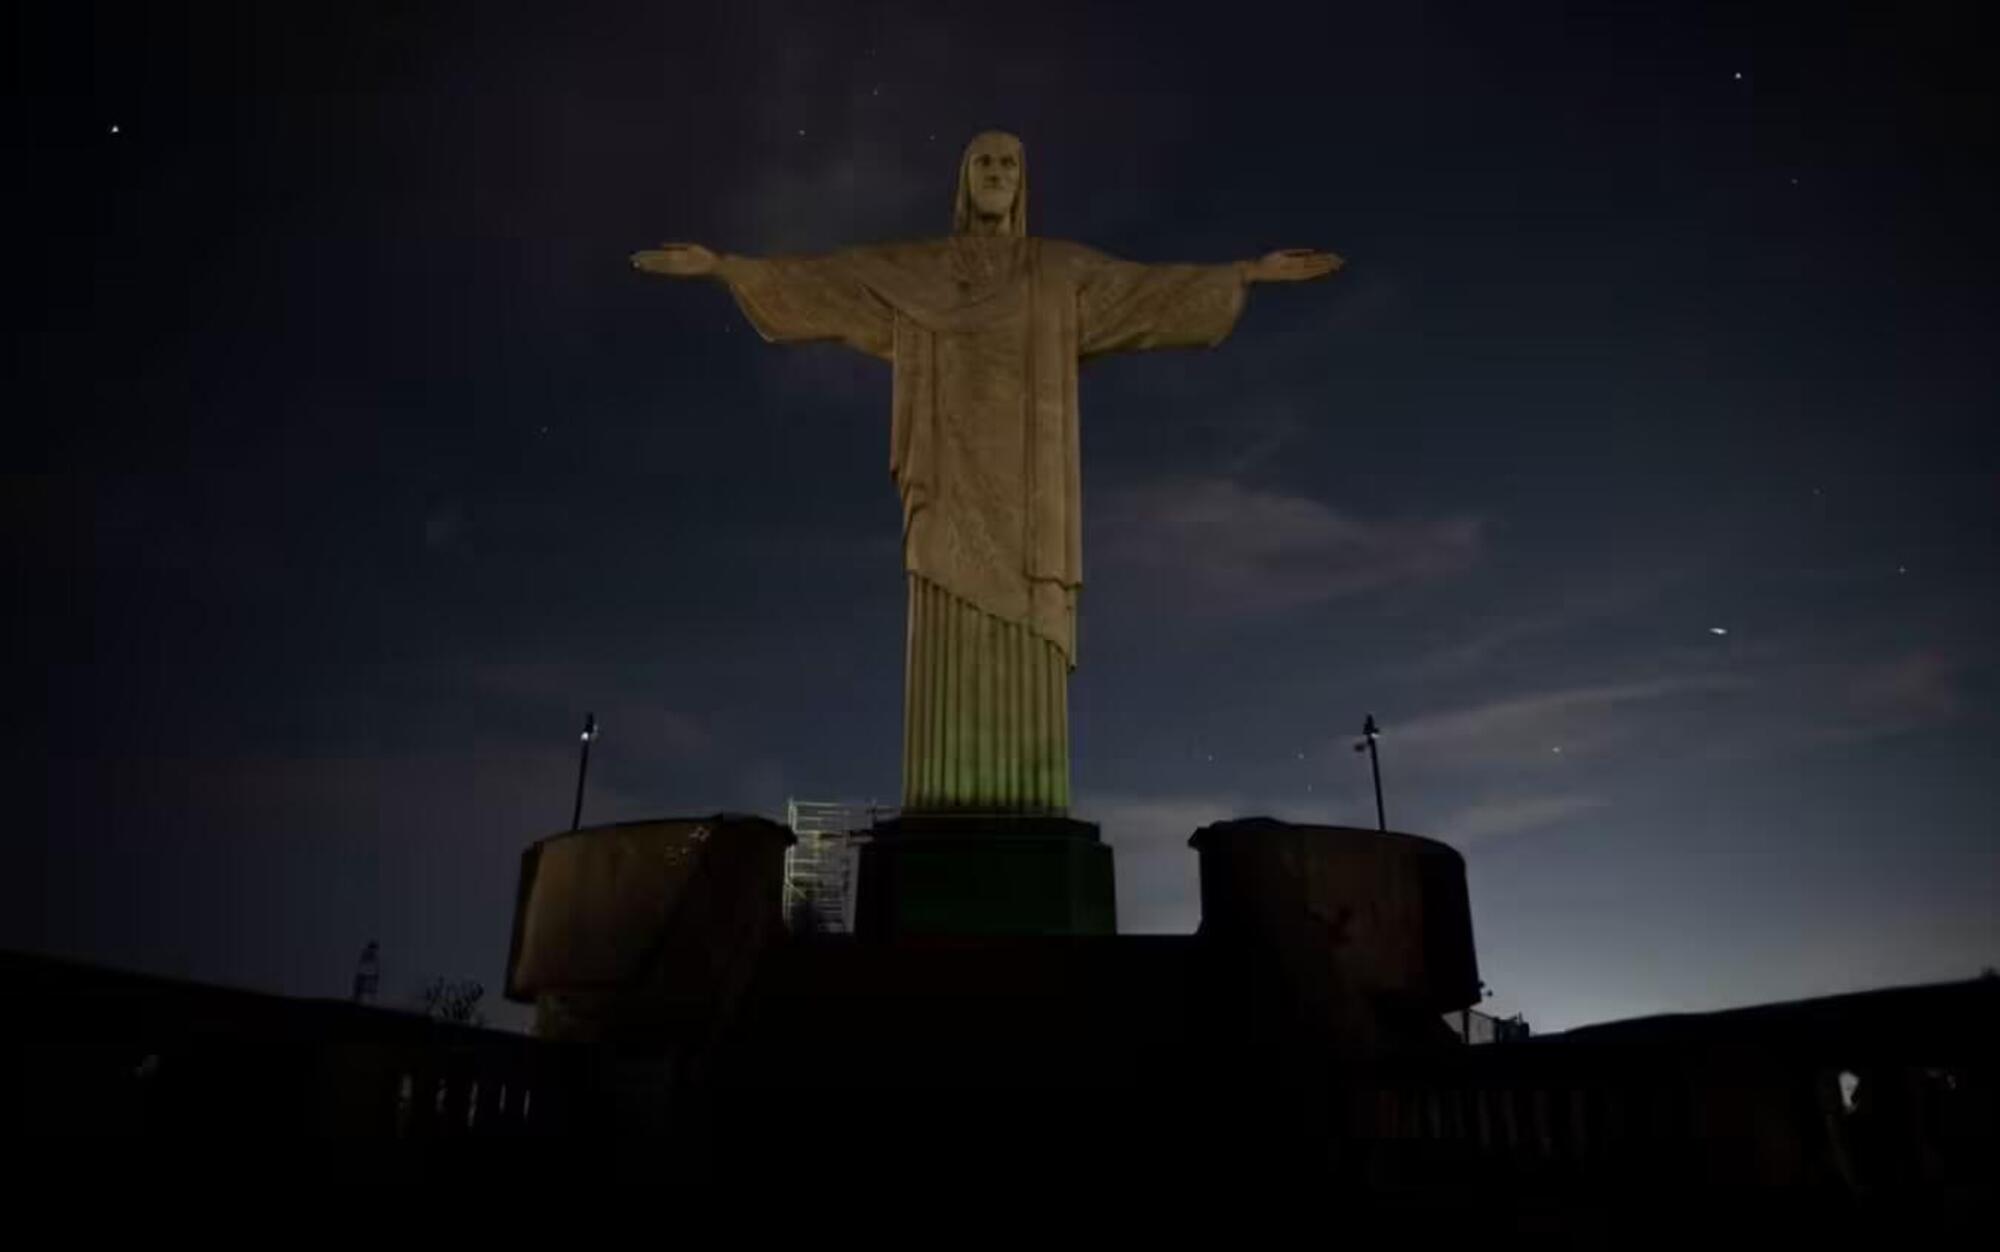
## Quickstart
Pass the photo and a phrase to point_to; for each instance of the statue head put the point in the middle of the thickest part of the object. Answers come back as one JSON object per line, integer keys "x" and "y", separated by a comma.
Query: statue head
{"x": 992, "y": 187}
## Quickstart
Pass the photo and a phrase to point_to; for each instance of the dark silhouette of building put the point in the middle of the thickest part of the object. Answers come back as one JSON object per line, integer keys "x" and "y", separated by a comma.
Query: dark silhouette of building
{"x": 1310, "y": 1032}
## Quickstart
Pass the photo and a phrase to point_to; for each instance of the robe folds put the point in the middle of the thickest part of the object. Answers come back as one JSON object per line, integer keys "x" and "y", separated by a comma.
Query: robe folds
{"x": 984, "y": 335}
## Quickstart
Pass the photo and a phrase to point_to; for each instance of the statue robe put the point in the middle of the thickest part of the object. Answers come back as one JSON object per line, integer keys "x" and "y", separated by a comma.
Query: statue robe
{"x": 985, "y": 335}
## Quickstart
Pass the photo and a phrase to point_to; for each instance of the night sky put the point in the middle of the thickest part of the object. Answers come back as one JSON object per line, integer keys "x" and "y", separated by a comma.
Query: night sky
{"x": 1639, "y": 474}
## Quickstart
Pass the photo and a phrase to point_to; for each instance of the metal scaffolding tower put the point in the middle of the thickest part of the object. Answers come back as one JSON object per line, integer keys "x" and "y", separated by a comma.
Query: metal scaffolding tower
{"x": 819, "y": 869}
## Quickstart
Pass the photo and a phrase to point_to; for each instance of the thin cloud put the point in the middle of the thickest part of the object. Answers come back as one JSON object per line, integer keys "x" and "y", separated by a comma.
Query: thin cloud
{"x": 1831, "y": 703}
{"x": 1236, "y": 550}
{"x": 836, "y": 177}
{"x": 1578, "y": 720}
{"x": 482, "y": 791}
{"x": 1141, "y": 825}
{"x": 1906, "y": 693}
{"x": 1366, "y": 304}
{"x": 852, "y": 192}
{"x": 1512, "y": 815}
{"x": 1159, "y": 881}
{"x": 644, "y": 727}
{"x": 1498, "y": 638}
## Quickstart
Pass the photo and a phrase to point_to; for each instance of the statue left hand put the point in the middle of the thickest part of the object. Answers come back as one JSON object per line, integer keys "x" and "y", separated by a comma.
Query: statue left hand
{"x": 1292, "y": 265}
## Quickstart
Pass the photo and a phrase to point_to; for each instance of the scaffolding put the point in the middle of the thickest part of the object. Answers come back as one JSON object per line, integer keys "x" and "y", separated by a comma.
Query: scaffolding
{"x": 819, "y": 869}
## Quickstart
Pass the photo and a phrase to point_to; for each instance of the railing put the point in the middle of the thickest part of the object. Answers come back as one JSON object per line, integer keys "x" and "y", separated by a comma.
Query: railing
{"x": 96, "y": 1053}
{"x": 1878, "y": 1092}
{"x": 1862, "y": 1093}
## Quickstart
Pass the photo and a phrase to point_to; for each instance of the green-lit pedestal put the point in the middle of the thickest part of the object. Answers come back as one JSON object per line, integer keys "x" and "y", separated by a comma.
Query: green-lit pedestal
{"x": 984, "y": 874}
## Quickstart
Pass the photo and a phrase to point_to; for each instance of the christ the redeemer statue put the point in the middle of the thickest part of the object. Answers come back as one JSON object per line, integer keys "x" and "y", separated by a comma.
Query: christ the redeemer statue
{"x": 985, "y": 329}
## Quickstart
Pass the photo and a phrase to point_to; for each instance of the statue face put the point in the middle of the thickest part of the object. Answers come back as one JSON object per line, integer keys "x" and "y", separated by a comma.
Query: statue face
{"x": 994, "y": 167}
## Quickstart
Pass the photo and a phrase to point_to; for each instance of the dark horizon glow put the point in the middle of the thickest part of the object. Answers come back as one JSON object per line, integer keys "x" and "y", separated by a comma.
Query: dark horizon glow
{"x": 1639, "y": 474}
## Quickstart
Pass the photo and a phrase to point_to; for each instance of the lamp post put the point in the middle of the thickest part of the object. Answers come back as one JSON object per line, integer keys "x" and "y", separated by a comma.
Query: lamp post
{"x": 583, "y": 769}
{"x": 1370, "y": 732}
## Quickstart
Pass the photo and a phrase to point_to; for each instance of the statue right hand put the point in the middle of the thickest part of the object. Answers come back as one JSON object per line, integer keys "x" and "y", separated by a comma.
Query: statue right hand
{"x": 676, "y": 260}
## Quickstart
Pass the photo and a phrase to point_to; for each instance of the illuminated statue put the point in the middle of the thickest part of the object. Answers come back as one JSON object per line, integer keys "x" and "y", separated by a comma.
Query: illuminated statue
{"x": 985, "y": 329}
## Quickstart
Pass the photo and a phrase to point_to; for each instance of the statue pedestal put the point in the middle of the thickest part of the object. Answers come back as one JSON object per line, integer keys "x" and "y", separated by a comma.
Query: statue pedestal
{"x": 984, "y": 874}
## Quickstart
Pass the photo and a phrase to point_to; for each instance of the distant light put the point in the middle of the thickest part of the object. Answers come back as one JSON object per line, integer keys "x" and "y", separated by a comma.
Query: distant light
{"x": 1557, "y": 749}
{"x": 114, "y": 128}
{"x": 1739, "y": 76}
{"x": 1718, "y": 630}
{"x": 1902, "y": 569}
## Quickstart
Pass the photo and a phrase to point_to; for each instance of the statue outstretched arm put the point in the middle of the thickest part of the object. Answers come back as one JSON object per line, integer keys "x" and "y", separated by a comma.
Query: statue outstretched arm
{"x": 788, "y": 299}
{"x": 677, "y": 260}
{"x": 1292, "y": 265}
{"x": 1123, "y": 306}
